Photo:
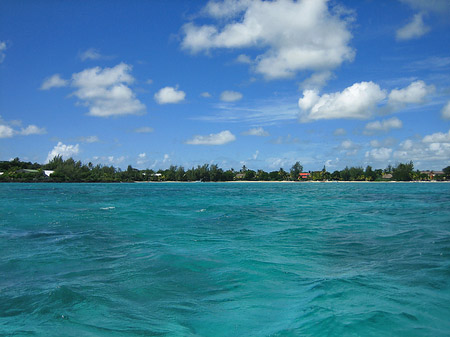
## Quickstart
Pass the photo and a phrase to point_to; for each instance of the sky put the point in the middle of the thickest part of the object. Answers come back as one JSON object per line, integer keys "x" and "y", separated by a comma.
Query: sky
{"x": 235, "y": 82}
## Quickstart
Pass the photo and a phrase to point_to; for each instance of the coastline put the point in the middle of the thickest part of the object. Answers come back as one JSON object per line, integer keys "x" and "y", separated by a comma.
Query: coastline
{"x": 290, "y": 182}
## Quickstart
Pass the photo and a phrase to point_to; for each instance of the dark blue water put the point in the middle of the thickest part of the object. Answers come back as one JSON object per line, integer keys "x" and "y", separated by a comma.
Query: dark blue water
{"x": 261, "y": 259}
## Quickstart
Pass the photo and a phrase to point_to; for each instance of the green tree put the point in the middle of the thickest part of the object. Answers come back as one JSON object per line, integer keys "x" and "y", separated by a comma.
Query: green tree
{"x": 283, "y": 175}
{"x": 296, "y": 169}
{"x": 369, "y": 173}
{"x": 336, "y": 175}
{"x": 403, "y": 172}
{"x": 250, "y": 175}
{"x": 446, "y": 171}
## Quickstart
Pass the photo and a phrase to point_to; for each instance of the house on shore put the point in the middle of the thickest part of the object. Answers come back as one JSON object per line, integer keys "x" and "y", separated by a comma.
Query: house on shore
{"x": 304, "y": 175}
{"x": 432, "y": 174}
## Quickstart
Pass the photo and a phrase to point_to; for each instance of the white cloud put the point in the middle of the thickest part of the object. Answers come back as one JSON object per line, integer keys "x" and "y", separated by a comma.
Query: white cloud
{"x": 114, "y": 160}
{"x": 256, "y": 132}
{"x": 90, "y": 54}
{"x": 355, "y": 102}
{"x": 414, "y": 93}
{"x": 347, "y": 144}
{"x": 294, "y": 35}
{"x": 438, "y": 6}
{"x": 285, "y": 140}
{"x": 244, "y": 59}
{"x": 54, "y": 81}
{"x": 220, "y": 138}
{"x": 375, "y": 143}
{"x": 388, "y": 142}
{"x": 255, "y": 155}
{"x": 414, "y": 29}
{"x": 63, "y": 150}
{"x": 381, "y": 154}
{"x": 382, "y": 126}
{"x": 3, "y": 47}
{"x": 206, "y": 94}
{"x": 230, "y": 96}
{"x": 349, "y": 147}
{"x": 317, "y": 80}
{"x": 446, "y": 111}
{"x": 142, "y": 158}
{"x": 89, "y": 139}
{"x": 340, "y": 132}
{"x": 437, "y": 137}
{"x": 169, "y": 95}
{"x": 432, "y": 149}
{"x": 6, "y": 131}
{"x": 226, "y": 8}
{"x": 32, "y": 130}
{"x": 144, "y": 129}
{"x": 105, "y": 91}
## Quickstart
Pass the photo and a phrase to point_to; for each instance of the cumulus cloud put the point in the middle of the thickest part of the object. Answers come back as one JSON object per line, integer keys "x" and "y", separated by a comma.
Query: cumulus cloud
{"x": 340, "y": 132}
{"x": 317, "y": 80}
{"x": 388, "y": 142}
{"x": 54, "y": 81}
{"x": 381, "y": 154}
{"x": 89, "y": 139}
{"x": 414, "y": 29}
{"x": 349, "y": 147}
{"x": 360, "y": 101}
{"x": 106, "y": 92}
{"x": 144, "y": 129}
{"x": 65, "y": 151}
{"x": 220, "y": 138}
{"x": 169, "y": 95}
{"x": 432, "y": 149}
{"x": 142, "y": 158}
{"x": 415, "y": 93}
{"x": 230, "y": 96}
{"x": 90, "y": 54}
{"x": 7, "y": 129}
{"x": 32, "y": 130}
{"x": 3, "y": 47}
{"x": 437, "y": 6}
{"x": 206, "y": 94}
{"x": 446, "y": 111}
{"x": 244, "y": 59}
{"x": 438, "y": 137}
{"x": 256, "y": 132}
{"x": 382, "y": 126}
{"x": 355, "y": 102}
{"x": 292, "y": 35}
{"x": 285, "y": 140}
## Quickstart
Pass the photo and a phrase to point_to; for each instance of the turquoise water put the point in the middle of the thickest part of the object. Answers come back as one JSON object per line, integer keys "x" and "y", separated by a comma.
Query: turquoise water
{"x": 260, "y": 259}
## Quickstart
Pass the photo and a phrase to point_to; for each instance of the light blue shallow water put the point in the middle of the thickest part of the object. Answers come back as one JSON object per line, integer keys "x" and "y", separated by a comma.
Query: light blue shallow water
{"x": 337, "y": 259}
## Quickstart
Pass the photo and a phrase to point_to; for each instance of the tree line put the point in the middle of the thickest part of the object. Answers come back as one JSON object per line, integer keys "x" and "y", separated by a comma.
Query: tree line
{"x": 69, "y": 170}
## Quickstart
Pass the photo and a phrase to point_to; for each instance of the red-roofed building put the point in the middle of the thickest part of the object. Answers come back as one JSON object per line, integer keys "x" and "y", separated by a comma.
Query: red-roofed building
{"x": 304, "y": 175}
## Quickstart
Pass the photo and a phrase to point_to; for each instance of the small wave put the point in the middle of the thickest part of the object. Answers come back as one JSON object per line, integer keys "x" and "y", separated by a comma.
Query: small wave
{"x": 107, "y": 208}
{"x": 201, "y": 210}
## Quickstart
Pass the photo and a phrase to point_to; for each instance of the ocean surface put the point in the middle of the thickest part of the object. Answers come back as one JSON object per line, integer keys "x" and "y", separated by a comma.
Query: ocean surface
{"x": 225, "y": 259}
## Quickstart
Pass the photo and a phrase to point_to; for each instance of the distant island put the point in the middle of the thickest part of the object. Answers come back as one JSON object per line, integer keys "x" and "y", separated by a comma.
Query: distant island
{"x": 69, "y": 170}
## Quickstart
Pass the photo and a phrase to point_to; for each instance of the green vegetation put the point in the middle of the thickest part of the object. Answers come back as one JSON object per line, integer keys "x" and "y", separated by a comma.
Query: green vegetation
{"x": 60, "y": 170}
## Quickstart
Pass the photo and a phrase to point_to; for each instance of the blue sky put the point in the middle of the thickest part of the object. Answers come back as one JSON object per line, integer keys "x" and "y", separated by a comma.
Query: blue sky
{"x": 234, "y": 82}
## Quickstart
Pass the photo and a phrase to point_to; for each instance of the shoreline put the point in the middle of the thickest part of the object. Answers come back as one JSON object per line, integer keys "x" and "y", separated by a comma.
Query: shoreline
{"x": 289, "y": 182}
